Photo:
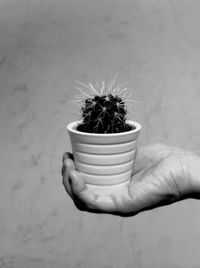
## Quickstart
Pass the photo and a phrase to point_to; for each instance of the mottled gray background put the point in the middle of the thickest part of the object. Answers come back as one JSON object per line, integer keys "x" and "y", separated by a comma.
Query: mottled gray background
{"x": 44, "y": 46}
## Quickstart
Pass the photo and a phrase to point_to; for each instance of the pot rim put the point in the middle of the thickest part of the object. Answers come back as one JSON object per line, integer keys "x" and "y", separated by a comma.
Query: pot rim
{"x": 71, "y": 128}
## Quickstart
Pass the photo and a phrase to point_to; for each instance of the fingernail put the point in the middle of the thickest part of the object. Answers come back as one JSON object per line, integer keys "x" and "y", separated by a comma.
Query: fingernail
{"x": 67, "y": 162}
{"x": 64, "y": 157}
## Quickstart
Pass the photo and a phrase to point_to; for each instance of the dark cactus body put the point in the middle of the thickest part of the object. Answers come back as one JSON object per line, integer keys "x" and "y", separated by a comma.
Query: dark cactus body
{"x": 104, "y": 114}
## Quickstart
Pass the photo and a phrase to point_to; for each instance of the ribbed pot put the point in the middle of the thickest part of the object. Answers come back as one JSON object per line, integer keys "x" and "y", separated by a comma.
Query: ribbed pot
{"x": 105, "y": 161}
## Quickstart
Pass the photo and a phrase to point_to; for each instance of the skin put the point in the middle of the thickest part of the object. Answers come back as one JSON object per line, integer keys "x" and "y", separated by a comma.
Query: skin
{"x": 162, "y": 175}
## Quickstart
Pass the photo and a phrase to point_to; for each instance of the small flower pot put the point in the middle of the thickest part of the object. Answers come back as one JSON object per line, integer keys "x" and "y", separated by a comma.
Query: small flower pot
{"x": 105, "y": 161}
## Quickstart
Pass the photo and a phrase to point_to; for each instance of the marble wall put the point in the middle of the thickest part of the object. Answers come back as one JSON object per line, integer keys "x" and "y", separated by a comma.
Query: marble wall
{"x": 45, "y": 45}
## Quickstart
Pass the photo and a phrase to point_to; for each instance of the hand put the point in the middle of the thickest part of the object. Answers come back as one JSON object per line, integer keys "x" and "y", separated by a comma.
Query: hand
{"x": 161, "y": 176}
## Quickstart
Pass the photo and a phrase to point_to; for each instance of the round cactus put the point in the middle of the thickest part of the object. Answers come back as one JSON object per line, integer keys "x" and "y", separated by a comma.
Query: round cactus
{"x": 104, "y": 113}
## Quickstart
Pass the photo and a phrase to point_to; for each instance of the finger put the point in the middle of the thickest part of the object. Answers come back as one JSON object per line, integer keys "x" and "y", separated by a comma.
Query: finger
{"x": 103, "y": 203}
{"x": 67, "y": 155}
{"x": 68, "y": 166}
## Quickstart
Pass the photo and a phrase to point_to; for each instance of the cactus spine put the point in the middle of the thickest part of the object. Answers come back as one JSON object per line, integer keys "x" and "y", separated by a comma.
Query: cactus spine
{"x": 104, "y": 113}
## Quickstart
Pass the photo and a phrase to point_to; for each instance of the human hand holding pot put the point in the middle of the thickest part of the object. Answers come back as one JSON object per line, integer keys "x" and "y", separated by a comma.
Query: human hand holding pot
{"x": 162, "y": 175}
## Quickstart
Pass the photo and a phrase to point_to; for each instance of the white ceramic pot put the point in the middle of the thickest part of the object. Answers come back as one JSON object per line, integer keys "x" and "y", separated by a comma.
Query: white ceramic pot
{"x": 105, "y": 161}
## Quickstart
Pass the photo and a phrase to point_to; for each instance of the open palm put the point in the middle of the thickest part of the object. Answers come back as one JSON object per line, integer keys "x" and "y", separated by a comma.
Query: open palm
{"x": 159, "y": 177}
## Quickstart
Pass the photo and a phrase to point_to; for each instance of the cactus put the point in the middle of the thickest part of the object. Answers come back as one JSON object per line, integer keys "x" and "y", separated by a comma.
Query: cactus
{"x": 104, "y": 112}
